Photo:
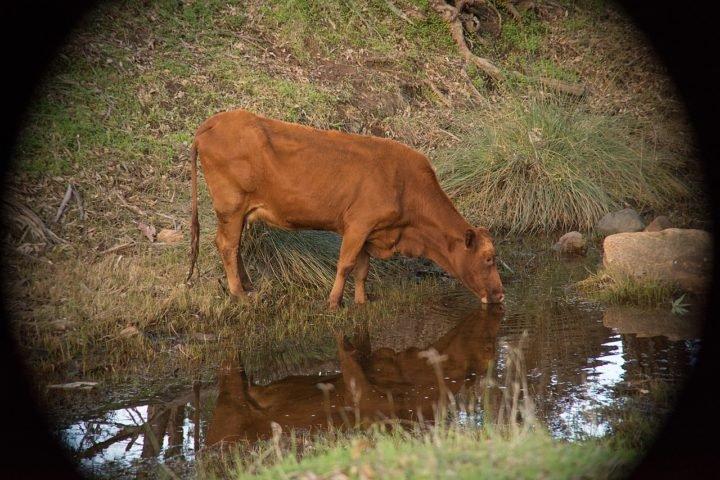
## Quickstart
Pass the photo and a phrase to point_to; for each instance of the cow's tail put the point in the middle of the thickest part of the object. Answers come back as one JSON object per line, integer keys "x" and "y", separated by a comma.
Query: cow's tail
{"x": 194, "y": 223}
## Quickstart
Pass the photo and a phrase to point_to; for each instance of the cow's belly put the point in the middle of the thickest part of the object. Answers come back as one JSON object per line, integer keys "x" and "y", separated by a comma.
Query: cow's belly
{"x": 288, "y": 221}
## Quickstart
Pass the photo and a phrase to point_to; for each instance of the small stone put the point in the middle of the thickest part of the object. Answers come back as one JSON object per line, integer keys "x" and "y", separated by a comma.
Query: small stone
{"x": 626, "y": 220}
{"x": 660, "y": 223}
{"x": 571, "y": 243}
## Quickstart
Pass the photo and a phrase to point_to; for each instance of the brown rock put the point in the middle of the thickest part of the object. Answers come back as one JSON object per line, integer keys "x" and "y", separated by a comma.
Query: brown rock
{"x": 571, "y": 243}
{"x": 674, "y": 255}
{"x": 626, "y": 220}
{"x": 660, "y": 223}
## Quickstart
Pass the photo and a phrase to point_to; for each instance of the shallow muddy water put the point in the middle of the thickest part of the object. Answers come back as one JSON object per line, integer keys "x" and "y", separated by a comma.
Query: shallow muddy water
{"x": 585, "y": 366}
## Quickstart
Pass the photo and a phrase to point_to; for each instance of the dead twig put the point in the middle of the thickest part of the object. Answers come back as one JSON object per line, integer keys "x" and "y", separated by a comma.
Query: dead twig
{"x": 438, "y": 93}
{"x": 130, "y": 207}
{"x": 64, "y": 203}
{"x": 116, "y": 248}
{"x": 397, "y": 11}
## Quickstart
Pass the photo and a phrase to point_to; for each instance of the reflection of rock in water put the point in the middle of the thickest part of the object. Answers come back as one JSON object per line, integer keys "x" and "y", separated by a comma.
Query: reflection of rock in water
{"x": 373, "y": 384}
{"x": 653, "y": 323}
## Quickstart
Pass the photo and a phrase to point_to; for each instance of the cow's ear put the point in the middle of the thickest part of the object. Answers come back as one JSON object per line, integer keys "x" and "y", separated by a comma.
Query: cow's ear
{"x": 470, "y": 238}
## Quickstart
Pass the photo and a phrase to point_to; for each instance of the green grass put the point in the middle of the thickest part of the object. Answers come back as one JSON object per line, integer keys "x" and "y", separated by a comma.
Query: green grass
{"x": 453, "y": 454}
{"x": 618, "y": 289}
{"x": 545, "y": 164}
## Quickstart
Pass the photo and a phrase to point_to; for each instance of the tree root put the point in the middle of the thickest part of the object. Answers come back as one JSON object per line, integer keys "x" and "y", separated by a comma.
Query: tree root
{"x": 451, "y": 14}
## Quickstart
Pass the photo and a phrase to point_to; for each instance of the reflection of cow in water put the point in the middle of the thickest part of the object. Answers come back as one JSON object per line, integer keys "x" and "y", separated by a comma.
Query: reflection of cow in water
{"x": 371, "y": 385}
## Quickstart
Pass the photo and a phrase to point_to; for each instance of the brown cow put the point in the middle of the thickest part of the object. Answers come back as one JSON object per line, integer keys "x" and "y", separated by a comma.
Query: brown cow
{"x": 380, "y": 195}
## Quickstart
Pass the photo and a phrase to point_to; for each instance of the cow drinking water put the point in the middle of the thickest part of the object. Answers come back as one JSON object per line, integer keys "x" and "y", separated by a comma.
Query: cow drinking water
{"x": 381, "y": 196}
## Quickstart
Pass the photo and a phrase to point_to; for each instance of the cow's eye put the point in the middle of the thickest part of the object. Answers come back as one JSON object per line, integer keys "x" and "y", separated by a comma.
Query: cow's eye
{"x": 490, "y": 260}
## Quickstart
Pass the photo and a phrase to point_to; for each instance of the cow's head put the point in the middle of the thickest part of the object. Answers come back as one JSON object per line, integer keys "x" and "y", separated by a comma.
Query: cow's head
{"x": 474, "y": 262}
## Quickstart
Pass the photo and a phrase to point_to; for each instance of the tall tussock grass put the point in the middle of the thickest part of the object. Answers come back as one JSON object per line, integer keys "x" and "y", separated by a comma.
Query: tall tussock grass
{"x": 541, "y": 164}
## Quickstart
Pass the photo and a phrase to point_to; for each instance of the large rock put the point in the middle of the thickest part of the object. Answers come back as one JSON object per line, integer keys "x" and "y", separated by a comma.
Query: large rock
{"x": 674, "y": 255}
{"x": 571, "y": 243}
{"x": 626, "y": 220}
{"x": 660, "y": 223}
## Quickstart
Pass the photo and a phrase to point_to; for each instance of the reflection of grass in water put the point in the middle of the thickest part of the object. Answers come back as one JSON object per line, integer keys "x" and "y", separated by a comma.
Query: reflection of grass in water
{"x": 510, "y": 442}
{"x": 615, "y": 288}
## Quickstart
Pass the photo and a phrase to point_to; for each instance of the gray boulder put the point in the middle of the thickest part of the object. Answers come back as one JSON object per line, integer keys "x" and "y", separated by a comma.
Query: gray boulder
{"x": 573, "y": 243}
{"x": 626, "y": 220}
{"x": 660, "y": 223}
{"x": 674, "y": 255}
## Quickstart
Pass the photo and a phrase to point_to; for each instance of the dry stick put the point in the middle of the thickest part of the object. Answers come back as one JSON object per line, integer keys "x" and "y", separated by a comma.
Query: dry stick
{"x": 397, "y": 11}
{"x": 64, "y": 203}
{"x": 125, "y": 204}
{"x": 437, "y": 92}
{"x": 79, "y": 200}
{"x": 116, "y": 248}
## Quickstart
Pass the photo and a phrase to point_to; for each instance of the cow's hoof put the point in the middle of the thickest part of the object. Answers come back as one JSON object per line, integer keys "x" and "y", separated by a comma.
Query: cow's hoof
{"x": 334, "y": 306}
{"x": 243, "y": 297}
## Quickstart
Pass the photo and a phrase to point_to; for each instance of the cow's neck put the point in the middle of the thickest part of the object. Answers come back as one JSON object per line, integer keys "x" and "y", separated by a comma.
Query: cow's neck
{"x": 436, "y": 226}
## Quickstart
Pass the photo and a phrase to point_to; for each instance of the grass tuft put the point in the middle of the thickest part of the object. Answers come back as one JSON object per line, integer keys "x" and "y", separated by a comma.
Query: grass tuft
{"x": 618, "y": 289}
{"x": 543, "y": 164}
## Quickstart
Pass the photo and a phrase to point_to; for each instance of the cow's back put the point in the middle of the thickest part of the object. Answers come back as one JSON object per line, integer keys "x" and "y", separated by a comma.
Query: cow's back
{"x": 294, "y": 176}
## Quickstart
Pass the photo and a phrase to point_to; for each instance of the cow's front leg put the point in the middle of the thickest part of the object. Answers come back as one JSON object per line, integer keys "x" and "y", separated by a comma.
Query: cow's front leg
{"x": 362, "y": 266}
{"x": 227, "y": 240}
{"x": 352, "y": 244}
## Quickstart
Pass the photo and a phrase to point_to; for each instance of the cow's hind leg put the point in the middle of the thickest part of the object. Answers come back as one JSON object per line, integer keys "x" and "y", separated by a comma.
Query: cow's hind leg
{"x": 227, "y": 240}
{"x": 352, "y": 245}
{"x": 362, "y": 266}
{"x": 244, "y": 277}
